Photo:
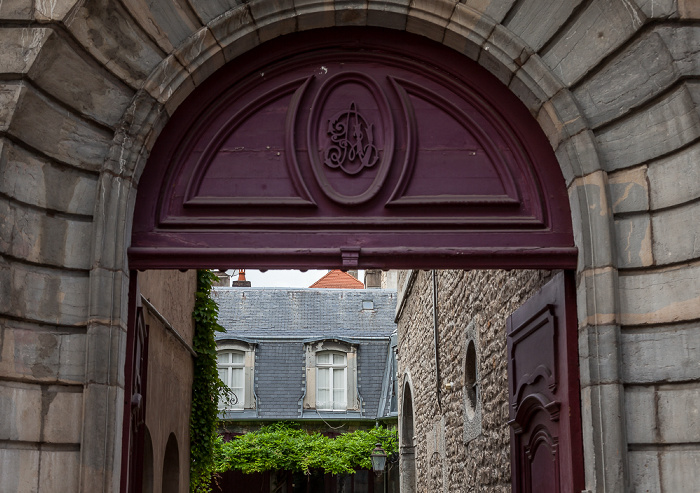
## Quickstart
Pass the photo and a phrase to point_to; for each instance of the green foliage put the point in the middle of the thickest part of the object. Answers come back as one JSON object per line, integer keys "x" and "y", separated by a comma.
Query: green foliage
{"x": 285, "y": 446}
{"x": 206, "y": 386}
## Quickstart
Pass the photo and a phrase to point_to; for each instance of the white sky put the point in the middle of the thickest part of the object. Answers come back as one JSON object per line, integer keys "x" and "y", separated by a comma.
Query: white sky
{"x": 285, "y": 278}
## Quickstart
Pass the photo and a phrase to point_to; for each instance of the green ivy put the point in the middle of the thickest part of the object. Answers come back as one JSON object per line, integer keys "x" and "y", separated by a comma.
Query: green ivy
{"x": 286, "y": 446}
{"x": 206, "y": 386}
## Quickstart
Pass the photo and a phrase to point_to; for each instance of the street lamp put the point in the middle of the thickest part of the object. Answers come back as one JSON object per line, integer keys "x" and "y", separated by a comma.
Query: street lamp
{"x": 378, "y": 456}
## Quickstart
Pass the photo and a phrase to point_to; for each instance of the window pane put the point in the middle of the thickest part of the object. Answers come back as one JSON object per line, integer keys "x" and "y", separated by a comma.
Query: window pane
{"x": 338, "y": 359}
{"x": 323, "y": 398}
{"x": 324, "y": 378}
{"x": 223, "y": 357}
{"x": 236, "y": 377}
{"x": 223, "y": 376}
{"x": 323, "y": 358}
{"x": 339, "y": 399}
{"x": 237, "y": 357}
{"x": 339, "y": 379}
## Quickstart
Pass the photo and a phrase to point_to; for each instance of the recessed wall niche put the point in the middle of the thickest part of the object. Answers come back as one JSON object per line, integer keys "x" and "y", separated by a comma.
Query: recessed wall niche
{"x": 472, "y": 388}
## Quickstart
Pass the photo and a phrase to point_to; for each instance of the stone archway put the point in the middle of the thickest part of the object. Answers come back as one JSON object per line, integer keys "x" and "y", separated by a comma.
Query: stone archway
{"x": 406, "y": 442}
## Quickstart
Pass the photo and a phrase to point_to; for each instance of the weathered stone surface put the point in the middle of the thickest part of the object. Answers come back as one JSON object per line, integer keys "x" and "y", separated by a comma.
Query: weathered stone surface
{"x": 688, "y": 9}
{"x": 560, "y": 118}
{"x": 57, "y": 403}
{"x": 640, "y": 412}
{"x": 43, "y": 294}
{"x": 392, "y": 14}
{"x": 10, "y": 93}
{"x": 209, "y": 10}
{"x": 20, "y": 47}
{"x": 590, "y": 207}
{"x": 536, "y": 22}
{"x": 111, "y": 35}
{"x": 169, "y": 83}
{"x": 19, "y": 470}
{"x": 679, "y": 413}
{"x": 662, "y": 296}
{"x": 20, "y": 408}
{"x": 673, "y": 180}
{"x": 351, "y": 13}
{"x": 108, "y": 290}
{"x": 633, "y": 242}
{"x": 44, "y": 238}
{"x": 42, "y": 354}
{"x": 169, "y": 22}
{"x": 63, "y": 136}
{"x": 79, "y": 83}
{"x": 109, "y": 245}
{"x": 273, "y": 18}
{"x": 201, "y": 55}
{"x": 634, "y": 76}
{"x": 316, "y": 14}
{"x": 578, "y": 156}
{"x": 671, "y": 123}
{"x": 684, "y": 44}
{"x": 644, "y": 470}
{"x": 577, "y": 49}
{"x": 629, "y": 190}
{"x": 467, "y": 31}
{"x": 104, "y": 343}
{"x": 481, "y": 300}
{"x": 236, "y": 32}
{"x": 599, "y": 355}
{"x": 657, "y": 9}
{"x": 503, "y": 54}
{"x": 36, "y": 181}
{"x": 596, "y": 297}
{"x": 53, "y": 10}
{"x": 677, "y": 234}
{"x": 496, "y": 10}
{"x": 679, "y": 468}
{"x": 661, "y": 354}
{"x": 60, "y": 471}
{"x": 16, "y": 9}
{"x": 430, "y": 17}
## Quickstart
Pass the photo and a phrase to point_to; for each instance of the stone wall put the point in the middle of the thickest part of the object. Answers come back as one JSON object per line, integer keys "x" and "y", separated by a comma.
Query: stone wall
{"x": 87, "y": 87}
{"x": 476, "y": 302}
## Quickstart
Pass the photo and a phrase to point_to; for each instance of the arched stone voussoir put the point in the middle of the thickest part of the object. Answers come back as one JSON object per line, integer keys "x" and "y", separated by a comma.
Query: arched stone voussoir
{"x": 430, "y": 18}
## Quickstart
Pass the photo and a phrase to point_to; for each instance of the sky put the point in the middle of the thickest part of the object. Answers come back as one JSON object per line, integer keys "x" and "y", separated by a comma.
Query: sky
{"x": 284, "y": 278}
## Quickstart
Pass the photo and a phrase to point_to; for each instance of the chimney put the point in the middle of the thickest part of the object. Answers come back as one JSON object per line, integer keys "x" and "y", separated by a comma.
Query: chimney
{"x": 373, "y": 278}
{"x": 224, "y": 279}
{"x": 241, "y": 282}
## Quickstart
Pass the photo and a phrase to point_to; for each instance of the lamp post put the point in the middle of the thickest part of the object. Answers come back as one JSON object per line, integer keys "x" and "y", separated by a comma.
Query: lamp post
{"x": 378, "y": 456}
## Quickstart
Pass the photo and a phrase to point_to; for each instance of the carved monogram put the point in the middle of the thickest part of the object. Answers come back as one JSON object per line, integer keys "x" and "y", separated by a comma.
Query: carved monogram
{"x": 352, "y": 142}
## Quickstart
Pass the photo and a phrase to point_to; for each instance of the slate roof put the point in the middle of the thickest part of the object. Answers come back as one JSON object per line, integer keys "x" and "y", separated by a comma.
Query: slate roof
{"x": 279, "y": 321}
{"x": 337, "y": 279}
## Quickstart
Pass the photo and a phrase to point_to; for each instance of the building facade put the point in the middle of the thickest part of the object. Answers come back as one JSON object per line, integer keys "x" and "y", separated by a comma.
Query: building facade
{"x": 89, "y": 86}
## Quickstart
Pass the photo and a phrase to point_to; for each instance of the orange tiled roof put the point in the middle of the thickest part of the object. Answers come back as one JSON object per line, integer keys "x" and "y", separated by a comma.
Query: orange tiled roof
{"x": 337, "y": 279}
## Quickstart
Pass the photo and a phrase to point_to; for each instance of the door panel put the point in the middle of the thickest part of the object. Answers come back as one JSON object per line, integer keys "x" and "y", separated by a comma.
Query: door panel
{"x": 544, "y": 405}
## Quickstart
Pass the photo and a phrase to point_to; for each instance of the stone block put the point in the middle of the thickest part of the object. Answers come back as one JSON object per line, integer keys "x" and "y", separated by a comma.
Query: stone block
{"x": 679, "y": 413}
{"x": 47, "y": 295}
{"x": 31, "y": 352}
{"x": 79, "y": 82}
{"x": 536, "y": 22}
{"x": 495, "y": 10}
{"x": 201, "y": 55}
{"x": 63, "y": 415}
{"x": 314, "y": 14}
{"x": 577, "y": 50}
{"x": 60, "y": 471}
{"x": 644, "y": 471}
{"x": 503, "y": 55}
{"x": 661, "y": 296}
{"x": 105, "y": 343}
{"x": 633, "y": 242}
{"x": 560, "y": 118}
{"x": 19, "y": 470}
{"x": 104, "y": 28}
{"x": 44, "y": 238}
{"x": 688, "y": 9}
{"x": 590, "y": 208}
{"x": 236, "y": 32}
{"x": 599, "y": 354}
{"x": 640, "y": 415}
{"x": 273, "y": 17}
{"x": 34, "y": 180}
{"x": 669, "y": 124}
{"x": 661, "y": 354}
{"x": 429, "y": 17}
{"x": 629, "y": 190}
{"x": 541, "y": 76}
{"x": 110, "y": 234}
{"x": 657, "y": 9}
{"x": 467, "y": 31}
{"x": 20, "y": 408}
{"x": 173, "y": 20}
{"x": 17, "y": 9}
{"x": 596, "y": 297}
{"x": 679, "y": 469}
{"x": 677, "y": 234}
{"x": 20, "y": 47}
{"x": 578, "y": 156}
{"x": 673, "y": 180}
{"x": 64, "y": 136}
{"x": 208, "y": 11}
{"x": 10, "y": 93}
{"x": 53, "y": 10}
{"x": 392, "y": 14}
{"x": 683, "y": 41}
{"x": 636, "y": 75}
{"x": 350, "y": 13}
{"x": 108, "y": 291}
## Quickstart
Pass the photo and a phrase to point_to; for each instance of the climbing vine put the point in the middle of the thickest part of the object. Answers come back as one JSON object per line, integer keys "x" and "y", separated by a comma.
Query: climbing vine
{"x": 206, "y": 386}
{"x": 286, "y": 446}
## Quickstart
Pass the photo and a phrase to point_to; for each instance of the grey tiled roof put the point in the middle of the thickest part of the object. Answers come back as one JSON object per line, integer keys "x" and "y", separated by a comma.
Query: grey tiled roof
{"x": 280, "y": 320}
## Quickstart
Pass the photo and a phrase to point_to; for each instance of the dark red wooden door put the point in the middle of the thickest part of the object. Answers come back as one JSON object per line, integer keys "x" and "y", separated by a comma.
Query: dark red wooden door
{"x": 546, "y": 449}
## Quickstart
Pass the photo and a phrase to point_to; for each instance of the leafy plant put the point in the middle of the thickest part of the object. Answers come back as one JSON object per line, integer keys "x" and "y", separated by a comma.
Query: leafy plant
{"x": 206, "y": 386}
{"x": 286, "y": 446}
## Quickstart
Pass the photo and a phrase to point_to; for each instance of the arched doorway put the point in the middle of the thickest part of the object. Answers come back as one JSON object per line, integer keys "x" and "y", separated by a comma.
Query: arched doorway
{"x": 406, "y": 442}
{"x": 171, "y": 467}
{"x": 338, "y": 149}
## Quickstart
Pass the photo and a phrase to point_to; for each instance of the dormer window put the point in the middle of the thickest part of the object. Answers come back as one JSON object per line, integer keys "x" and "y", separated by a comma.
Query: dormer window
{"x": 235, "y": 363}
{"x": 331, "y": 381}
{"x": 331, "y": 376}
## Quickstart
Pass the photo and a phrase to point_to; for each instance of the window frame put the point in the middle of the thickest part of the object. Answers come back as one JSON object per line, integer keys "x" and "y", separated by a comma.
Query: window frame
{"x": 247, "y": 400}
{"x": 311, "y": 350}
{"x": 332, "y": 368}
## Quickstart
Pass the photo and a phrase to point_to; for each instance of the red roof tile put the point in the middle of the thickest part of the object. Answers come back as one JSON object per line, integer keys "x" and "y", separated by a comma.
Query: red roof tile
{"x": 337, "y": 279}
